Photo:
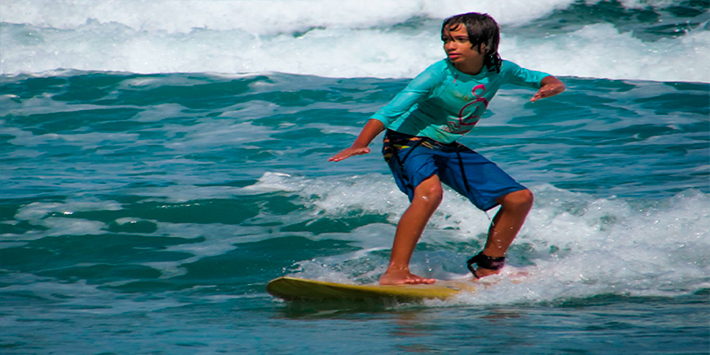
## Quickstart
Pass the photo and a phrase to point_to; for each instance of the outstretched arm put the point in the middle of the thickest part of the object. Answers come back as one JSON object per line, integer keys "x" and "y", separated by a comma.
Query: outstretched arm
{"x": 551, "y": 86}
{"x": 372, "y": 128}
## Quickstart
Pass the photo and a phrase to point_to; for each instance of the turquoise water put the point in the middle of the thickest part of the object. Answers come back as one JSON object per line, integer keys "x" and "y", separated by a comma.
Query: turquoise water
{"x": 145, "y": 213}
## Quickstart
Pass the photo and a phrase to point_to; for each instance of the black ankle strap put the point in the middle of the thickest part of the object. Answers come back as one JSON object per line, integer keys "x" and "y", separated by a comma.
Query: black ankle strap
{"x": 486, "y": 262}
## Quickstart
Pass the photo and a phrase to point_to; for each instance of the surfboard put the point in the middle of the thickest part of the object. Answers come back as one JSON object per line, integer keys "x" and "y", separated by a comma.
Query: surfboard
{"x": 291, "y": 288}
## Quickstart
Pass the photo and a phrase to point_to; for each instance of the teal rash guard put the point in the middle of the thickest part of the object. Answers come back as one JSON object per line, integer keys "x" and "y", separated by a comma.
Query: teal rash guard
{"x": 443, "y": 103}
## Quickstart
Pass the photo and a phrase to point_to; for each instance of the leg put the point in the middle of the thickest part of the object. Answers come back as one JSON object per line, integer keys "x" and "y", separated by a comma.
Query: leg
{"x": 427, "y": 197}
{"x": 506, "y": 225}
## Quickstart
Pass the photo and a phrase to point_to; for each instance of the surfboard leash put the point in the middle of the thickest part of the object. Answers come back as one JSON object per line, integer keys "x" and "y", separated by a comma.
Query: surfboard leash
{"x": 486, "y": 262}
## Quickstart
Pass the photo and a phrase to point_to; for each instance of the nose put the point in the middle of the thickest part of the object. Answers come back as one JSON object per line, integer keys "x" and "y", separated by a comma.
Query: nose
{"x": 449, "y": 46}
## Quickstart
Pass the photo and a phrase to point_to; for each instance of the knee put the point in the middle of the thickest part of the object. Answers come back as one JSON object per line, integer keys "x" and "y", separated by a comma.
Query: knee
{"x": 518, "y": 200}
{"x": 431, "y": 194}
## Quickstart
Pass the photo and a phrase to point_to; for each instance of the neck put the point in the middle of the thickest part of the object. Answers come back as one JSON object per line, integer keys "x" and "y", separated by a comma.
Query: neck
{"x": 470, "y": 67}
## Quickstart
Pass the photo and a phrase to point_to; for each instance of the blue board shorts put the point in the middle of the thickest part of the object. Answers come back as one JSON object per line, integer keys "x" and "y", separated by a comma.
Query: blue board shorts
{"x": 413, "y": 159}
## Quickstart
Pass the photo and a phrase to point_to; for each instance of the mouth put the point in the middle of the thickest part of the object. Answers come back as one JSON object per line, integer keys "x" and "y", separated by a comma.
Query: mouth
{"x": 454, "y": 55}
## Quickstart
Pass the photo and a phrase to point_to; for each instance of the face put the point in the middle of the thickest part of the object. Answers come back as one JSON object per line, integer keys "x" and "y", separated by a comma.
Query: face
{"x": 458, "y": 47}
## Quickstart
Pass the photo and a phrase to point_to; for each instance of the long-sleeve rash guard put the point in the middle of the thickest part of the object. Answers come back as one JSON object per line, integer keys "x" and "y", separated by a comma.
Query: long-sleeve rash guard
{"x": 443, "y": 103}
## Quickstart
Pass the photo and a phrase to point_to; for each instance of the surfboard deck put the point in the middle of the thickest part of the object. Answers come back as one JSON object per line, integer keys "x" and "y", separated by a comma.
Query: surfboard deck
{"x": 291, "y": 288}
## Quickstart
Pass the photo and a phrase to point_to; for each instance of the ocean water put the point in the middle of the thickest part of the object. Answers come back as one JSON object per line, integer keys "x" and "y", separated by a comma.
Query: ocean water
{"x": 161, "y": 161}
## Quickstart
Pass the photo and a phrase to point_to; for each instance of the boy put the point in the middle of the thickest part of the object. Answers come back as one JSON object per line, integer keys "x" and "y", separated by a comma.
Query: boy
{"x": 423, "y": 122}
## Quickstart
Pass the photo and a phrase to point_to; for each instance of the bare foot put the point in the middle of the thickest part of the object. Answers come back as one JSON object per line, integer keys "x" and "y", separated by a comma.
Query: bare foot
{"x": 403, "y": 277}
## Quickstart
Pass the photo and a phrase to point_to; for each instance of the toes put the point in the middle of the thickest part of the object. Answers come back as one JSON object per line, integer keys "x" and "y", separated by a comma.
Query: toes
{"x": 418, "y": 281}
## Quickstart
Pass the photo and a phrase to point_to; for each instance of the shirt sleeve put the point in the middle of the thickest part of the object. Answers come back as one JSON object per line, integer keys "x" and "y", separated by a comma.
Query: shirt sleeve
{"x": 418, "y": 89}
{"x": 521, "y": 76}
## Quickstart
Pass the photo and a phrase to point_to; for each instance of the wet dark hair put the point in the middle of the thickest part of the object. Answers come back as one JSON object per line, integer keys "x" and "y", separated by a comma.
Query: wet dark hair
{"x": 481, "y": 28}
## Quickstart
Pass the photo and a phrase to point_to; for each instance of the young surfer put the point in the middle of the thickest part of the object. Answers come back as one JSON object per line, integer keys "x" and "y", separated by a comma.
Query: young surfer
{"x": 423, "y": 123}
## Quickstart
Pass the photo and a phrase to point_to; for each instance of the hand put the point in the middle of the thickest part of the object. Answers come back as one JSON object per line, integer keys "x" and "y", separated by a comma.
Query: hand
{"x": 372, "y": 128}
{"x": 551, "y": 86}
{"x": 347, "y": 153}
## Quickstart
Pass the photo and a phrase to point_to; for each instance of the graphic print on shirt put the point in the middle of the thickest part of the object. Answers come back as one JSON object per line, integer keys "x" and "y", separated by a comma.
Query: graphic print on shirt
{"x": 470, "y": 113}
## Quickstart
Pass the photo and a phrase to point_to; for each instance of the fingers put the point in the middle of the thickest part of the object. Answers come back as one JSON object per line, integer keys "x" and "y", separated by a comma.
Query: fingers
{"x": 347, "y": 153}
{"x": 545, "y": 92}
{"x": 551, "y": 86}
{"x": 339, "y": 157}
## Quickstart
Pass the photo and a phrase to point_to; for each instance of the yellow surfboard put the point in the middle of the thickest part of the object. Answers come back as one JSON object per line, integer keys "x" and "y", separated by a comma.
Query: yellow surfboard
{"x": 291, "y": 288}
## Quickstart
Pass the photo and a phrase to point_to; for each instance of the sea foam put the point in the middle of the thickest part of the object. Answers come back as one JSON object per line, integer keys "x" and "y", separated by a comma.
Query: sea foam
{"x": 344, "y": 39}
{"x": 572, "y": 245}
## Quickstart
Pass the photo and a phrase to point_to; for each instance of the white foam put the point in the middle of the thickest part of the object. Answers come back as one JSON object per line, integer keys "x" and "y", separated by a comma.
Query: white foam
{"x": 573, "y": 244}
{"x": 273, "y": 181}
{"x": 36, "y": 211}
{"x": 579, "y": 245}
{"x": 57, "y": 219}
{"x": 275, "y": 16}
{"x": 350, "y": 38}
{"x": 586, "y": 53}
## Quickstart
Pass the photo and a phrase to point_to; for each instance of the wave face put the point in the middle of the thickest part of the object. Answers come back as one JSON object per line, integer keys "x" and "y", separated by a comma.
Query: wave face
{"x": 640, "y": 40}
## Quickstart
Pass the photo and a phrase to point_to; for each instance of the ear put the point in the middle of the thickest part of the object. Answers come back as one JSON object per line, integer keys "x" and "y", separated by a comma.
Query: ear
{"x": 482, "y": 48}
